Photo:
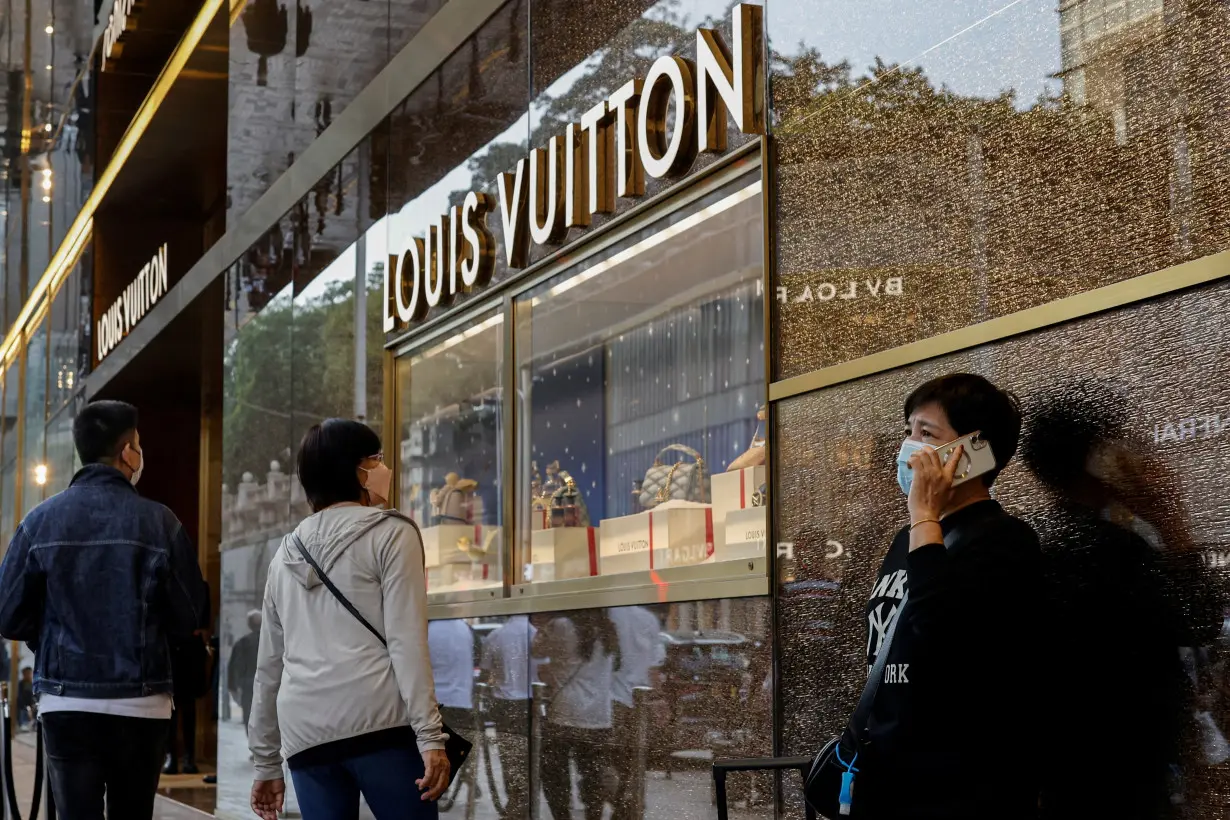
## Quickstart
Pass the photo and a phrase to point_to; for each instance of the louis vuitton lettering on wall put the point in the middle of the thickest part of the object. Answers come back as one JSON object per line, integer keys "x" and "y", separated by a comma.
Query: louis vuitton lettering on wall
{"x": 117, "y": 22}
{"x": 582, "y": 172}
{"x": 138, "y": 297}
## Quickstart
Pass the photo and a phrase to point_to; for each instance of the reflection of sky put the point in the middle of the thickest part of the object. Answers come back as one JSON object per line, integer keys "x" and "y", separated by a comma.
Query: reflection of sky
{"x": 340, "y": 269}
{"x": 973, "y": 47}
{"x": 1017, "y": 48}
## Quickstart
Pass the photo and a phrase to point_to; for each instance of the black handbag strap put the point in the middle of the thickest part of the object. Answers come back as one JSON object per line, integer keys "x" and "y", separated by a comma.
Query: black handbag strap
{"x": 337, "y": 593}
{"x": 862, "y": 712}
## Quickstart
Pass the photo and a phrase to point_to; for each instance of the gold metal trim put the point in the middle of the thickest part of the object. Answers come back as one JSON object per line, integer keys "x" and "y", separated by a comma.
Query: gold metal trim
{"x": 1138, "y": 289}
{"x": 79, "y": 231}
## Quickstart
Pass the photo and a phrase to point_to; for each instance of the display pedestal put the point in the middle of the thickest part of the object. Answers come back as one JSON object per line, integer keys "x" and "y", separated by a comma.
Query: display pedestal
{"x": 449, "y": 565}
{"x": 564, "y": 552}
{"x": 734, "y": 490}
{"x": 746, "y": 534}
{"x": 677, "y": 533}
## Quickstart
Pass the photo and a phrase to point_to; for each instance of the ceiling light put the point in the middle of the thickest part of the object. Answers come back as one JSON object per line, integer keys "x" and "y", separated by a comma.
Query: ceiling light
{"x": 49, "y": 66}
{"x": 40, "y": 474}
{"x": 46, "y": 199}
{"x": 50, "y": 29}
{"x": 47, "y": 128}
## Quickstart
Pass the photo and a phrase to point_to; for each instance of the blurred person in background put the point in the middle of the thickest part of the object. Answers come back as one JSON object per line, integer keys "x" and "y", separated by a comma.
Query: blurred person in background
{"x": 102, "y": 668}
{"x": 510, "y": 672}
{"x": 241, "y": 667}
{"x": 451, "y": 644}
{"x": 582, "y": 654}
{"x": 1125, "y": 590}
{"x": 348, "y": 713}
{"x": 641, "y": 650}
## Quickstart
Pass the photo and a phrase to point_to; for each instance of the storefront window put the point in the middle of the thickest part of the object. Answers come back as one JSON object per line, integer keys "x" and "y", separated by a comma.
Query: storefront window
{"x": 450, "y": 425}
{"x": 35, "y": 419}
{"x": 640, "y": 379}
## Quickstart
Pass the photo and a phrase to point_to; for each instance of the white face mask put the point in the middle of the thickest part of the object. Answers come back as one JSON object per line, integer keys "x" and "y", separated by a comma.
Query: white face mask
{"x": 136, "y": 474}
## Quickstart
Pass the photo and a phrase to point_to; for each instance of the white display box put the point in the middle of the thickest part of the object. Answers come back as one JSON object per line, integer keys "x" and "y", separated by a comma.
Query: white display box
{"x": 677, "y": 533}
{"x": 571, "y": 551}
{"x": 734, "y": 490}
{"x": 539, "y": 518}
{"x": 746, "y": 535}
{"x": 441, "y": 543}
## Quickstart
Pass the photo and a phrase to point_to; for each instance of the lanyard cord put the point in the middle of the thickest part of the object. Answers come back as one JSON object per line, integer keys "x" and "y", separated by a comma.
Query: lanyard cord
{"x": 849, "y": 766}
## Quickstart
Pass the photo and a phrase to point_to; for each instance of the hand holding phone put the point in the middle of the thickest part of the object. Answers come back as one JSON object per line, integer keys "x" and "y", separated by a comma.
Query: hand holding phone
{"x": 976, "y": 457}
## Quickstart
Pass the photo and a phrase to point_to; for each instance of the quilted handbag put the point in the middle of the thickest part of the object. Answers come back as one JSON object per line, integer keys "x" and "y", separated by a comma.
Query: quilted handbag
{"x": 681, "y": 481}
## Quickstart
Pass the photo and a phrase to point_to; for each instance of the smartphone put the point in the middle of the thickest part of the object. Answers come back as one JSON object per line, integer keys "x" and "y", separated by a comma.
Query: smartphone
{"x": 976, "y": 459}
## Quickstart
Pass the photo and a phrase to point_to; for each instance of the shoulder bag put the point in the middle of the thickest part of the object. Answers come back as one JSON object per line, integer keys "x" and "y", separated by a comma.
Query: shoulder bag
{"x": 456, "y": 748}
{"x": 829, "y": 786}
{"x": 681, "y": 481}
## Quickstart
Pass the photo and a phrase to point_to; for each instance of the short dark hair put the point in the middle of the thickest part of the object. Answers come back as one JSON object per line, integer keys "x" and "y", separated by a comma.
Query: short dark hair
{"x": 328, "y": 457}
{"x": 973, "y": 404}
{"x": 101, "y": 430}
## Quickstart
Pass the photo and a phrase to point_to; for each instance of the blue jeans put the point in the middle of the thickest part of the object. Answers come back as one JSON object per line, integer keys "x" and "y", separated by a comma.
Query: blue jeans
{"x": 330, "y": 791}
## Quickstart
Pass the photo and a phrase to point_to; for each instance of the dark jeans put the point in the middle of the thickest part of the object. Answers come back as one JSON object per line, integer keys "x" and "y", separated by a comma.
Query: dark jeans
{"x": 330, "y": 791}
{"x": 512, "y": 732}
{"x": 89, "y": 756}
{"x": 626, "y": 761}
{"x": 587, "y": 748}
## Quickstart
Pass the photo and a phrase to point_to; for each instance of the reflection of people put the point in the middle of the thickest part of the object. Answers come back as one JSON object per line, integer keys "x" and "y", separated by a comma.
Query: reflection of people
{"x": 241, "y": 668}
{"x": 1119, "y": 608}
{"x": 25, "y": 697}
{"x": 582, "y": 650}
{"x": 100, "y": 581}
{"x": 510, "y": 671}
{"x": 949, "y": 733}
{"x": 190, "y": 671}
{"x": 451, "y": 644}
{"x": 353, "y": 715}
{"x": 641, "y": 649}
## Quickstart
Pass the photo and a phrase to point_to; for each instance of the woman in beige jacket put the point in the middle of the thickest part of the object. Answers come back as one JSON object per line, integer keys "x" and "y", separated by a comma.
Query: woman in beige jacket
{"x": 346, "y": 715}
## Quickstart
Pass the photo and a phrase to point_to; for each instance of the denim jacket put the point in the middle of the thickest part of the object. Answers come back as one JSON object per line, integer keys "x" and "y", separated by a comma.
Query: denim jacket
{"x": 99, "y": 581}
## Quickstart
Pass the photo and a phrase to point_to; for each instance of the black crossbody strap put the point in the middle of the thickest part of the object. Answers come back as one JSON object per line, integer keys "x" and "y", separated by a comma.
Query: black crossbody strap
{"x": 337, "y": 593}
{"x": 862, "y": 712}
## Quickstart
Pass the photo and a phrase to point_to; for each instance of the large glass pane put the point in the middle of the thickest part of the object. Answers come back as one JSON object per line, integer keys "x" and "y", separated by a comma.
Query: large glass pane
{"x": 942, "y": 164}
{"x": 12, "y": 411}
{"x": 640, "y": 376}
{"x": 450, "y": 420}
{"x": 1120, "y": 471}
{"x": 8, "y": 498}
{"x": 61, "y": 455}
{"x": 34, "y": 470}
{"x": 64, "y": 379}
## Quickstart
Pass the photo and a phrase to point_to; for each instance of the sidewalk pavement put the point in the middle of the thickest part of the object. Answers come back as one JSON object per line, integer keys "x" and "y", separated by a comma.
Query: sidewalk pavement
{"x": 24, "y": 757}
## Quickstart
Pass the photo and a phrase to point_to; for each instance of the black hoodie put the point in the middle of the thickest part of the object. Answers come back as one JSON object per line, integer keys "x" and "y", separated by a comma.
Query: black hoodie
{"x": 953, "y": 730}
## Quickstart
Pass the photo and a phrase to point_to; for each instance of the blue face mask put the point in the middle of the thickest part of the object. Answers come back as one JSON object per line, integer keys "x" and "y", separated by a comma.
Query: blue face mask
{"x": 905, "y": 476}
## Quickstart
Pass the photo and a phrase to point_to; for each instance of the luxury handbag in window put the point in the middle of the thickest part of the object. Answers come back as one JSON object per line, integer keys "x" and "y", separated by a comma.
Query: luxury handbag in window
{"x": 682, "y": 481}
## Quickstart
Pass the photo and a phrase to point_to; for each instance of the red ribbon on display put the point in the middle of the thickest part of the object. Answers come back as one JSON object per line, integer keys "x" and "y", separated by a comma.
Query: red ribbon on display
{"x": 742, "y": 492}
{"x": 651, "y": 540}
{"x": 593, "y": 553}
{"x": 709, "y": 527}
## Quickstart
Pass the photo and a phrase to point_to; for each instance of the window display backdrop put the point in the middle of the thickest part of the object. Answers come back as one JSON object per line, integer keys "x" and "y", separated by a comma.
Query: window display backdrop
{"x": 1126, "y": 430}
{"x": 640, "y": 378}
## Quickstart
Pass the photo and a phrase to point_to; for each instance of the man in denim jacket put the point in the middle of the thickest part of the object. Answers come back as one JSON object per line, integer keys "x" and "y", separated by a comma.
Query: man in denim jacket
{"x": 98, "y": 580}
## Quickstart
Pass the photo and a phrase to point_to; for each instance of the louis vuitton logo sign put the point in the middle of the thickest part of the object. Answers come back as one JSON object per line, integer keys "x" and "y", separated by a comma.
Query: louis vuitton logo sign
{"x": 582, "y": 172}
{"x": 133, "y": 303}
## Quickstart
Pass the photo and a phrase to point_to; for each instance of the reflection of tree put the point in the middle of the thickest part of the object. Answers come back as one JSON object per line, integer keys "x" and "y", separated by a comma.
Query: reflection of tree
{"x": 291, "y": 366}
{"x": 628, "y": 53}
{"x": 265, "y": 23}
{"x": 1006, "y": 203}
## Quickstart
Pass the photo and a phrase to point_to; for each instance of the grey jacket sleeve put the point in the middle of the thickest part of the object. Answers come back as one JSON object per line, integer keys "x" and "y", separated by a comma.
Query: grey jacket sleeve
{"x": 264, "y": 736}
{"x": 404, "y": 586}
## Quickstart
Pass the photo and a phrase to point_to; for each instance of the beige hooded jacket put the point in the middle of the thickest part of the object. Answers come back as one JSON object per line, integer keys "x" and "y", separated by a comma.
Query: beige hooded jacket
{"x": 321, "y": 675}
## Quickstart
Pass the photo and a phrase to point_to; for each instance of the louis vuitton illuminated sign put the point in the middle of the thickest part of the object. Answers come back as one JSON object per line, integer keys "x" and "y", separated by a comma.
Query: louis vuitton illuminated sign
{"x": 149, "y": 285}
{"x": 582, "y": 172}
{"x": 117, "y": 22}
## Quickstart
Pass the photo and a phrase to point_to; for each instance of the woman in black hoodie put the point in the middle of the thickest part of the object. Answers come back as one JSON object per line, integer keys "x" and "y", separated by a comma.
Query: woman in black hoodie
{"x": 951, "y": 734}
